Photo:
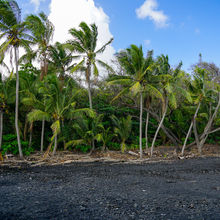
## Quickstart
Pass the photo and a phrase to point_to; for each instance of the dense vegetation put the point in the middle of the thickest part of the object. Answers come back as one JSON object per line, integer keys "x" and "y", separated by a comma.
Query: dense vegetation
{"x": 140, "y": 102}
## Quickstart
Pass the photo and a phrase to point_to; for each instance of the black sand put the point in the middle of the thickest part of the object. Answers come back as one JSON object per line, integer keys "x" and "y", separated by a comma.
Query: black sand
{"x": 184, "y": 189}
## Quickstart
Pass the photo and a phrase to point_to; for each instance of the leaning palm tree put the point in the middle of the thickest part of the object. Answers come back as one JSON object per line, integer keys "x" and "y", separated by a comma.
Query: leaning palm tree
{"x": 203, "y": 91}
{"x": 14, "y": 34}
{"x": 136, "y": 68}
{"x": 171, "y": 85}
{"x": 84, "y": 43}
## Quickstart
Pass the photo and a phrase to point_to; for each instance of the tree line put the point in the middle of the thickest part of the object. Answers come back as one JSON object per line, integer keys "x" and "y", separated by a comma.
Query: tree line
{"x": 141, "y": 102}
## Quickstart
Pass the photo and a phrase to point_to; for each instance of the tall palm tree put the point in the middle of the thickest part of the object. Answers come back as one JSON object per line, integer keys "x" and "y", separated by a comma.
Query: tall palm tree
{"x": 136, "y": 68}
{"x": 60, "y": 59}
{"x": 29, "y": 94}
{"x": 84, "y": 43}
{"x": 59, "y": 104}
{"x": 42, "y": 31}
{"x": 14, "y": 34}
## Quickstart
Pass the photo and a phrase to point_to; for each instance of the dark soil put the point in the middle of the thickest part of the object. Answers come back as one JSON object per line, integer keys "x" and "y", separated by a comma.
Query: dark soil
{"x": 182, "y": 189}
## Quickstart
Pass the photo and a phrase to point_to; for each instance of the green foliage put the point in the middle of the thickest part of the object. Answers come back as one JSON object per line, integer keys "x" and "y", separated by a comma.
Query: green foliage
{"x": 114, "y": 146}
{"x": 51, "y": 94}
{"x": 10, "y": 145}
{"x": 83, "y": 148}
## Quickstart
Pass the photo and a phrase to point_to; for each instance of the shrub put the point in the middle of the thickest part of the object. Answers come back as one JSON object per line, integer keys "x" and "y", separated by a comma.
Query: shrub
{"x": 10, "y": 145}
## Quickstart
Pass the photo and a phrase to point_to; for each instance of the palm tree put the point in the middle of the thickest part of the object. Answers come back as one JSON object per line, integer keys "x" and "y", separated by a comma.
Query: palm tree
{"x": 105, "y": 137}
{"x": 84, "y": 43}
{"x": 60, "y": 60}
{"x": 14, "y": 35}
{"x": 202, "y": 92}
{"x": 88, "y": 129}
{"x": 137, "y": 68}
{"x": 123, "y": 128}
{"x": 29, "y": 93}
{"x": 59, "y": 104}
{"x": 42, "y": 31}
{"x": 171, "y": 84}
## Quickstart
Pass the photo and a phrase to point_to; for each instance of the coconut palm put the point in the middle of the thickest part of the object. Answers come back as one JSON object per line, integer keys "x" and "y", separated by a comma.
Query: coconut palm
{"x": 88, "y": 129}
{"x": 42, "y": 31}
{"x": 137, "y": 68}
{"x": 14, "y": 34}
{"x": 59, "y": 105}
{"x": 30, "y": 96}
{"x": 105, "y": 137}
{"x": 202, "y": 92}
{"x": 84, "y": 43}
{"x": 171, "y": 85}
{"x": 60, "y": 60}
{"x": 123, "y": 128}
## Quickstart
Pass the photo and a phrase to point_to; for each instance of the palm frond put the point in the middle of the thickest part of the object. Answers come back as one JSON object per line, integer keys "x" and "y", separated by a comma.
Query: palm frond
{"x": 38, "y": 115}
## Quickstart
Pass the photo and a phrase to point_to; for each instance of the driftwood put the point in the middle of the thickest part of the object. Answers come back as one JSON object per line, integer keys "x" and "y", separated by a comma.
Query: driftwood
{"x": 132, "y": 153}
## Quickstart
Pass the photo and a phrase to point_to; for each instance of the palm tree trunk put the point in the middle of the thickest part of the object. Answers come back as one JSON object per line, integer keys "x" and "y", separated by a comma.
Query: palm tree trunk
{"x": 205, "y": 134}
{"x": 90, "y": 97}
{"x": 42, "y": 136}
{"x": 195, "y": 133}
{"x": 167, "y": 131}
{"x": 16, "y": 102}
{"x": 146, "y": 130}
{"x": 1, "y": 128}
{"x": 64, "y": 143}
{"x": 158, "y": 129}
{"x": 89, "y": 93}
{"x": 123, "y": 146}
{"x": 25, "y": 129}
{"x": 93, "y": 147}
{"x": 55, "y": 145}
{"x": 88, "y": 75}
{"x": 190, "y": 128}
{"x": 104, "y": 148}
{"x": 31, "y": 134}
{"x": 140, "y": 128}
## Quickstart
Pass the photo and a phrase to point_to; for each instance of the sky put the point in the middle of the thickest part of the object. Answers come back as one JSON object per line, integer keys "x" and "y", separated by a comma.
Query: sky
{"x": 180, "y": 29}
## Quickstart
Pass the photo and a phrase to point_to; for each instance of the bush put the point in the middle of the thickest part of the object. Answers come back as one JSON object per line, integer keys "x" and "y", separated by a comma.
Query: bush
{"x": 114, "y": 146}
{"x": 83, "y": 148}
{"x": 10, "y": 145}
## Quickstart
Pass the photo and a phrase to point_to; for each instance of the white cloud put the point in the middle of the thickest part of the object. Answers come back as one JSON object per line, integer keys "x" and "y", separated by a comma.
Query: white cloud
{"x": 149, "y": 9}
{"x": 36, "y": 3}
{"x": 67, "y": 14}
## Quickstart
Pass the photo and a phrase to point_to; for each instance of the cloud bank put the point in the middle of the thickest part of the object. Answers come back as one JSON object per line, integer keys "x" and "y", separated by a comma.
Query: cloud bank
{"x": 67, "y": 14}
{"x": 149, "y": 9}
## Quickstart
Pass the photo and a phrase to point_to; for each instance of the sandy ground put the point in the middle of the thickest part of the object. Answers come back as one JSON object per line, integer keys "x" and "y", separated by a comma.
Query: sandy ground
{"x": 171, "y": 189}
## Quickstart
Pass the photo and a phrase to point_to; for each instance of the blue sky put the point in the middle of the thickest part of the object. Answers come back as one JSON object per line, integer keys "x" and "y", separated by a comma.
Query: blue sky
{"x": 180, "y": 28}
